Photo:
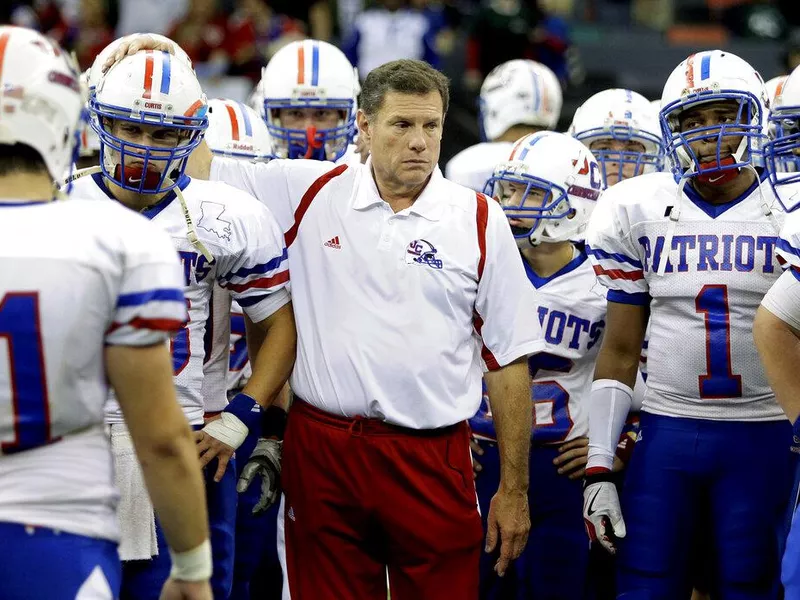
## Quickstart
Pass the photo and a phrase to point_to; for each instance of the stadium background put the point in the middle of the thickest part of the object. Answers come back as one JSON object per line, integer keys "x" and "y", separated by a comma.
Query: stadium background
{"x": 590, "y": 44}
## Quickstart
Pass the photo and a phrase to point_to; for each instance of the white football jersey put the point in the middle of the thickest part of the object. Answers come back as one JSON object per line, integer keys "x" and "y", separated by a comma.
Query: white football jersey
{"x": 701, "y": 360}
{"x": 239, "y": 368}
{"x": 473, "y": 166}
{"x": 75, "y": 277}
{"x": 218, "y": 335}
{"x": 250, "y": 262}
{"x": 571, "y": 306}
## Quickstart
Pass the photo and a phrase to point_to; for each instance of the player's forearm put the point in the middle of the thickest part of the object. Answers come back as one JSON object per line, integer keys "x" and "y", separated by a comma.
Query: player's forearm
{"x": 272, "y": 345}
{"x": 142, "y": 380}
{"x": 174, "y": 481}
{"x": 619, "y": 364}
{"x": 779, "y": 347}
{"x": 618, "y": 358}
{"x": 510, "y": 396}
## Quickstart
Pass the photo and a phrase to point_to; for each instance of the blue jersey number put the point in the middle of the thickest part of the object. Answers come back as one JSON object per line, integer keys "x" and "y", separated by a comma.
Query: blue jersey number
{"x": 552, "y": 394}
{"x": 19, "y": 329}
{"x": 238, "y": 348}
{"x": 719, "y": 380}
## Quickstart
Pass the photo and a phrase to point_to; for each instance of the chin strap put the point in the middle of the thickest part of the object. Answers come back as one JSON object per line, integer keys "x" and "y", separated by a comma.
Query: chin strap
{"x": 708, "y": 175}
{"x": 674, "y": 216}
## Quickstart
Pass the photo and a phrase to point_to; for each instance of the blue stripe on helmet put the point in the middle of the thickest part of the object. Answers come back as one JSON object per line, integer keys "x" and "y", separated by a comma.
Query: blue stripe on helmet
{"x": 248, "y": 128}
{"x": 166, "y": 73}
{"x": 705, "y": 66}
{"x": 315, "y": 64}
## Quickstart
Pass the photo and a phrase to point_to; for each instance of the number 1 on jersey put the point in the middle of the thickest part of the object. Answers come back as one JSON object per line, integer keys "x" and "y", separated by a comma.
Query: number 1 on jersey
{"x": 19, "y": 329}
{"x": 719, "y": 380}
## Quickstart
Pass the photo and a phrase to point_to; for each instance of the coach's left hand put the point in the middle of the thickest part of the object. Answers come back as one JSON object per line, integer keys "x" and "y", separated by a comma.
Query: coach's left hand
{"x": 510, "y": 521}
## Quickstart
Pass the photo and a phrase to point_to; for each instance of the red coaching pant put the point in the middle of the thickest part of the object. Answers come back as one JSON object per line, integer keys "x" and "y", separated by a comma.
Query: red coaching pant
{"x": 362, "y": 496}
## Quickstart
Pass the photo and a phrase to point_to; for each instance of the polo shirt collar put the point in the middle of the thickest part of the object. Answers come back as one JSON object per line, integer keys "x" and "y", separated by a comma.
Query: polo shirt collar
{"x": 428, "y": 205}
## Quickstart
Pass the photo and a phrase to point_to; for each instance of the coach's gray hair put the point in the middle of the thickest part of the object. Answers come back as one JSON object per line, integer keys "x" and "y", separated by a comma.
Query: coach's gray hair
{"x": 405, "y": 76}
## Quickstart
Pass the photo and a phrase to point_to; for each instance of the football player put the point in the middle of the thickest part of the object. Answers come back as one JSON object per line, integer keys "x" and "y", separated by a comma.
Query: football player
{"x": 150, "y": 113}
{"x": 237, "y": 131}
{"x": 517, "y": 98}
{"x": 88, "y": 297}
{"x": 777, "y": 324}
{"x": 548, "y": 187}
{"x": 694, "y": 249}
{"x": 319, "y": 124}
{"x": 621, "y": 129}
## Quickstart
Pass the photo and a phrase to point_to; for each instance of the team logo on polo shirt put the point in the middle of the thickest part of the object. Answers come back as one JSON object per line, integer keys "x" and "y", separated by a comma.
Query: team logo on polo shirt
{"x": 422, "y": 252}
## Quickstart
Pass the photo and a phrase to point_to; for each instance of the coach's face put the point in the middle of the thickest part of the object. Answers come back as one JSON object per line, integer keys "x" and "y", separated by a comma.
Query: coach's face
{"x": 404, "y": 137}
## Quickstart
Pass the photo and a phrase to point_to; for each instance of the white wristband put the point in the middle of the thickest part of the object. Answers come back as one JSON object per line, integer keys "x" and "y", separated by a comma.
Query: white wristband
{"x": 228, "y": 429}
{"x": 192, "y": 565}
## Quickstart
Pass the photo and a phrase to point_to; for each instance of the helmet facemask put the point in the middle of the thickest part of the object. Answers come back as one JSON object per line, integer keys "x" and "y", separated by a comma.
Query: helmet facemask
{"x": 722, "y": 164}
{"x": 141, "y": 168}
{"x": 782, "y": 154}
{"x": 624, "y": 164}
{"x": 311, "y": 143}
{"x": 543, "y": 219}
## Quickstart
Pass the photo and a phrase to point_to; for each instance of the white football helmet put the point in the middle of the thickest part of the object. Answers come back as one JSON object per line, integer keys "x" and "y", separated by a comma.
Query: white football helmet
{"x": 310, "y": 74}
{"x": 519, "y": 92}
{"x": 782, "y": 152}
{"x": 564, "y": 171}
{"x": 775, "y": 87}
{"x": 624, "y": 116}
{"x": 148, "y": 88}
{"x": 236, "y": 131}
{"x": 96, "y": 70}
{"x": 256, "y": 100}
{"x": 41, "y": 98}
{"x": 707, "y": 77}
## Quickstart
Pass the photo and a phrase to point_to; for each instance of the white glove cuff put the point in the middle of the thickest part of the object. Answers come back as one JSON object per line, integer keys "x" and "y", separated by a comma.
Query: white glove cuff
{"x": 228, "y": 429}
{"x": 192, "y": 565}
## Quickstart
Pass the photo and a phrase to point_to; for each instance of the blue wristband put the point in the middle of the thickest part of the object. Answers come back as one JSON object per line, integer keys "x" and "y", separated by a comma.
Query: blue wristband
{"x": 247, "y": 410}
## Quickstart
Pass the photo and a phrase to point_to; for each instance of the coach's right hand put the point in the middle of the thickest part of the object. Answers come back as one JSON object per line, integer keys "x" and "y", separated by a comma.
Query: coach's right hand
{"x": 186, "y": 590}
{"x": 509, "y": 519}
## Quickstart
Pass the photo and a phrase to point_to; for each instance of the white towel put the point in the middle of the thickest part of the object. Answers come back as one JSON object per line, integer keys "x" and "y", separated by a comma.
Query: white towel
{"x": 136, "y": 515}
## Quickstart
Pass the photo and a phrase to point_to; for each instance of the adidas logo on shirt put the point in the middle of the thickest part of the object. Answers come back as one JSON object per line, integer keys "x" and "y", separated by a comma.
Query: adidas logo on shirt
{"x": 333, "y": 243}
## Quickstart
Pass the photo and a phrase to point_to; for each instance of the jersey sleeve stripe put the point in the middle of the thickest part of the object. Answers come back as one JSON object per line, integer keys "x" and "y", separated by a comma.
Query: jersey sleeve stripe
{"x": 248, "y": 301}
{"x": 635, "y": 298}
{"x": 154, "y": 324}
{"x": 618, "y": 273}
{"x": 160, "y": 295}
{"x": 782, "y": 244}
{"x": 795, "y": 272}
{"x": 261, "y": 283}
{"x": 603, "y": 255}
{"x": 258, "y": 269}
{"x": 308, "y": 198}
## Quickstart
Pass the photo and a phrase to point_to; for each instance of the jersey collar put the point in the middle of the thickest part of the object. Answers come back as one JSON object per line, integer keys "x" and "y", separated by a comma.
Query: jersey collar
{"x": 715, "y": 210}
{"x": 428, "y": 205}
{"x": 539, "y": 282}
{"x": 151, "y": 211}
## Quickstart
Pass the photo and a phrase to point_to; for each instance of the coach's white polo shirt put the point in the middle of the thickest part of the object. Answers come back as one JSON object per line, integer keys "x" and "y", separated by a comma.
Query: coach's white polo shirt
{"x": 398, "y": 314}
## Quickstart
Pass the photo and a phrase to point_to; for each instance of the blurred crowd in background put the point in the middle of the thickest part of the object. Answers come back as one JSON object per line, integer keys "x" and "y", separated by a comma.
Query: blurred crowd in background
{"x": 590, "y": 44}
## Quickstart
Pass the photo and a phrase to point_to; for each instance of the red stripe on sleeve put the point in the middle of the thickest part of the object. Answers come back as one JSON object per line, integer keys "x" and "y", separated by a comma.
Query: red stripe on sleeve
{"x": 264, "y": 282}
{"x": 619, "y": 273}
{"x": 306, "y": 200}
{"x": 481, "y": 220}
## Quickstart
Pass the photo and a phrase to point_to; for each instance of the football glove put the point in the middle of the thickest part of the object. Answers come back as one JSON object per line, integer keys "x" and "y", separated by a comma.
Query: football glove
{"x": 264, "y": 462}
{"x": 601, "y": 512}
